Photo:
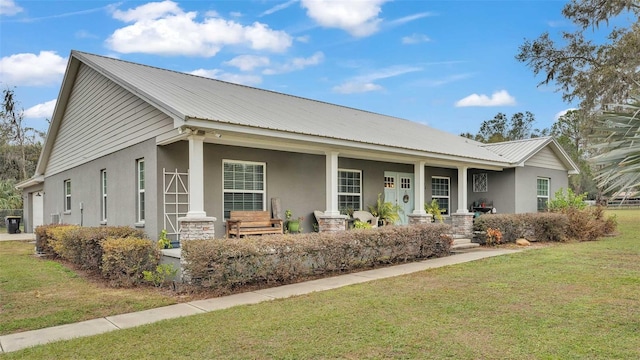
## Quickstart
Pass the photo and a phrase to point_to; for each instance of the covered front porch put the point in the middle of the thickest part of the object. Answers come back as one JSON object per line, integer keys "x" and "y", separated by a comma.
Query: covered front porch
{"x": 311, "y": 176}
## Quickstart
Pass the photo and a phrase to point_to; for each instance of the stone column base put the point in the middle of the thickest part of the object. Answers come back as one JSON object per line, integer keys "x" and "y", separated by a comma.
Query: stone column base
{"x": 462, "y": 225}
{"x": 420, "y": 219}
{"x": 329, "y": 223}
{"x": 196, "y": 228}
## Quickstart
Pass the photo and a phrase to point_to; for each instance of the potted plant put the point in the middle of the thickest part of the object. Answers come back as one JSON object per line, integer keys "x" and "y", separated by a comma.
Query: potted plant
{"x": 385, "y": 211}
{"x": 434, "y": 209}
{"x": 293, "y": 225}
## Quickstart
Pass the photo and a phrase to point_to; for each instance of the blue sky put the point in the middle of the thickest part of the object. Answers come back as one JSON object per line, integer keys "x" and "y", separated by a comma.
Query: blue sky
{"x": 447, "y": 64}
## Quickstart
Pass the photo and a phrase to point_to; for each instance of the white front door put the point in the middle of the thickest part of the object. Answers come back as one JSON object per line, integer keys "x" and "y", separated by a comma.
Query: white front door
{"x": 398, "y": 189}
{"x": 37, "y": 210}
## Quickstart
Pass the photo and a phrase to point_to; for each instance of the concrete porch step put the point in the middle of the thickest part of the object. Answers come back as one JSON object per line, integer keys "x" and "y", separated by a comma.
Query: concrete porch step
{"x": 463, "y": 244}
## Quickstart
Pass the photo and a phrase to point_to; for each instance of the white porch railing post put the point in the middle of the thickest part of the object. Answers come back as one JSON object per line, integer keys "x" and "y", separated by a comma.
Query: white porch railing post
{"x": 462, "y": 190}
{"x": 196, "y": 176}
{"x": 418, "y": 171}
{"x": 332, "y": 183}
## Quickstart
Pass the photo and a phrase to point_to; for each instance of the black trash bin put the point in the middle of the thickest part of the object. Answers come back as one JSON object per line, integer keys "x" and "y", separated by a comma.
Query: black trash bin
{"x": 13, "y": 224}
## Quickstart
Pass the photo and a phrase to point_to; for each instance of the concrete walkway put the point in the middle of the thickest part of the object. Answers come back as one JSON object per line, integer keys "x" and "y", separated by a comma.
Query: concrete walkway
{"x": 17, "y": 237}
{"x": 14, "y": 342}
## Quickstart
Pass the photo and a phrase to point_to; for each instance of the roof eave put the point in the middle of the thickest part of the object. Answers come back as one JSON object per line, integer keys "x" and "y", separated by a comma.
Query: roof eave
{"x": 36, "y": 180}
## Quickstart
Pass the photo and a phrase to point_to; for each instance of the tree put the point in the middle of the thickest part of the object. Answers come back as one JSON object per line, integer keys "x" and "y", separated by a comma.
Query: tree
{"x": 596, "y": 74}
{"x": 500, "y": 128}
{"x": 10, "y": 198}
{"x": 619, "y": 159}
{"x": 17, "y": 142}
{"x": 573, "y": 134}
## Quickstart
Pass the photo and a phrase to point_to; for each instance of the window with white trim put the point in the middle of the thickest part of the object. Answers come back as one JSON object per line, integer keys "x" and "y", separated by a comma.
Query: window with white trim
{"x": 349, "y": 190}
{"x": 103, "y": 195}
{"x": 140, "y": 190}
{"x": 440, "y": 191}
{"x": 542, "y": 193}
{"x": 67, "y": 195}
{"x": 244, "y": 186}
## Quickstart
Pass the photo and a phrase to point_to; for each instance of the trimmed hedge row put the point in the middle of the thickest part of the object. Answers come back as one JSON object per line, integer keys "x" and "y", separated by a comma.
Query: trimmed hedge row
{"x": 571, "y": 224}
{"x": 227, "y": 263}
{"x": 118, "y": 253}
{"x": 533, "y": 226}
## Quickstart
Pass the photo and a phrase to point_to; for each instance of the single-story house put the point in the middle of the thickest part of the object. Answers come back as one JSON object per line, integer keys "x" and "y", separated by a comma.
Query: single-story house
{"x": 131, "y": 144}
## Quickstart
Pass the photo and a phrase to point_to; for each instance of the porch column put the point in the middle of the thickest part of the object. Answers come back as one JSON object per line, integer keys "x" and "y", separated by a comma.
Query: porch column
{"x": 332, "y": 183}
{"x": 462, "y": 190}
{"x": 419, "y": 215}
{"x": 331, "y": 220}
{"x": 196, "y": 225}
{"x": 196, "y": 176}
{"x": 418, "y": 174}
{"x": 462, "y": 219}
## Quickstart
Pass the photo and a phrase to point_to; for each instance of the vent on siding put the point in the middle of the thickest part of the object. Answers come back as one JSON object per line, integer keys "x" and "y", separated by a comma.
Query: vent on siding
{"x": 55, "y": 218}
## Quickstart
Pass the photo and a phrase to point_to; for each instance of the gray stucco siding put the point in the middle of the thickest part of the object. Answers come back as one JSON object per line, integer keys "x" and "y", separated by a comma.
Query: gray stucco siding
{"x": 100, "y": 118}
{"x": 121, "y": 190}
{"x": 526, "y": 186}
{"x": 501, "y": 189}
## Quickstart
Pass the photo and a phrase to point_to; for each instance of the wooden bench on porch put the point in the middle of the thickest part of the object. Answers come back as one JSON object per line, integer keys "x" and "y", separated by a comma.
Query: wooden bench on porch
{"x": 252, "y": 223}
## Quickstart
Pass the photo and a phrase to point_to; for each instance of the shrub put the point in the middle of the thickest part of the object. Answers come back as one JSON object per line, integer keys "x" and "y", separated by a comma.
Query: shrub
{"x": 571, "y": 200}
{"x": 124, "y": 260}
{"x": 494, "y": 236}
{"x": 59, "y": 239}
{"x": 227, "y": 263}
{"x": 533, "y": 226}
{"x": 161, "y": 275}
{"x": 83, "y": 245}
{"x": 44, "y": 238}
{"x": 589, "y": 224}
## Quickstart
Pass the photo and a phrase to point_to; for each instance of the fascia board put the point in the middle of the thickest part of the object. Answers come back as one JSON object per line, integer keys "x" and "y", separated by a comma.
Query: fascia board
{"x": 338, "y": 144}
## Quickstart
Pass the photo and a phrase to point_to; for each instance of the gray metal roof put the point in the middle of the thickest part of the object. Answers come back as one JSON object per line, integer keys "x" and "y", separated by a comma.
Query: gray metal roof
{"x": 519, "y": 150}
{"x": 188, "y": 96}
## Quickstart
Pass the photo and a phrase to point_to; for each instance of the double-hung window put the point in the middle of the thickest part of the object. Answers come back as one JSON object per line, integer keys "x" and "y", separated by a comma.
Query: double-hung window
{"x": 349, "y": 190}
{"x": 103, "y": 195}
{"x": 543, "y": 193}
{"x": 440, "y": 191}
{"x": 244, "y": 186}
{"x": 67, "y": 196}
{"x": 140, "y": 190}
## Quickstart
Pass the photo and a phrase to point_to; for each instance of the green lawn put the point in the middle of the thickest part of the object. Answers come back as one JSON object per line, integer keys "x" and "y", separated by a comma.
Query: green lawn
{"x": 572, "y": 301}
{"x": 37, "y": 293}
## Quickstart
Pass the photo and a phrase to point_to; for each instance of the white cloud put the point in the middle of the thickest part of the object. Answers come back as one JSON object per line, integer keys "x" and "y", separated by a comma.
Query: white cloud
{"x": 84, "y": 34}
{"x": 445, "y": 80}
{"x": 562, "y": 113}
{"x": 415, "y": 39}
{"x": 31, "y": 69}
{"x": 278, "y": 7}
{"x": 356, "y": 87}
{"x": 410, "y": 18}
{"x": 498, "y": 98}
{"x": 9, "y": 8}
{"x": 365, "y": 83}
{"x": 44, "y": 110}
{"x": 241, "y": 79}
{"x": 150, "y": 11}
{"x": 235, "y": 14}
{"x": 358, "y": 18}
{"x": 163, "y": 28}
{"x": 303, "y": 38}
{"x": 248, "y": 62}
{"x": 296, "y": 64}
